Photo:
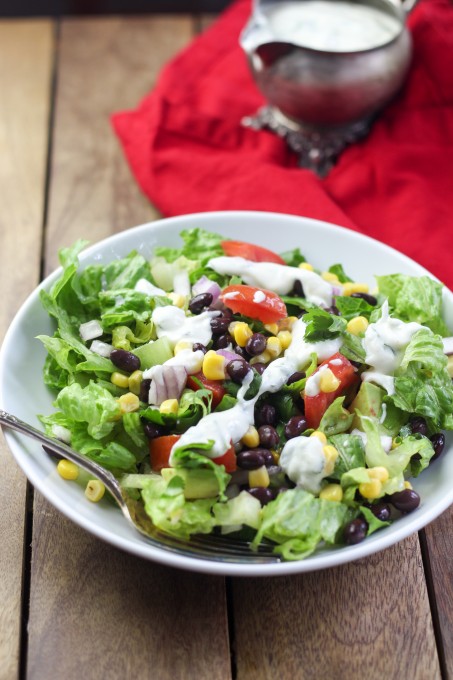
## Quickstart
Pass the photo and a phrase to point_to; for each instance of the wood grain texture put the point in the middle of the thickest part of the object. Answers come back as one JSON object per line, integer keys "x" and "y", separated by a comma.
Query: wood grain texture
{"x": 26, "y": 51}
{"x": 369, "y": 619}
{"x": 439, "y": 541}
{"x": 105, "y": 65}
{"x": 96, "y": 611}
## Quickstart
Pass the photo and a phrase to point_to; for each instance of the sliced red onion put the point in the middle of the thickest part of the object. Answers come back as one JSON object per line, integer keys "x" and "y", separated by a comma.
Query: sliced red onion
{"x": 448, "y": 345}
{"x": 167, "y": 382}
{"x": 90, "y": 330}
{"x": 181, "y": 283}
{"x": 337, "y": 290}
{"x": 101, "y": 348}
{"x": 229, "y": 356}
{"x": 205, "y": 285}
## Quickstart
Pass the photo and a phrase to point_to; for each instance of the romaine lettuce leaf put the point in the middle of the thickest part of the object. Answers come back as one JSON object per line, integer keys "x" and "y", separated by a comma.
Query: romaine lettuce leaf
{"x": 297, "y": 521}
{"x": 92, "y": 405}
{"x": 414, "y": 298}
{"x": 351, "y": 452}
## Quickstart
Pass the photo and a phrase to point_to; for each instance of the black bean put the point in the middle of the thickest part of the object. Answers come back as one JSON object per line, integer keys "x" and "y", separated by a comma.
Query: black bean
{"x": 256, "y": 344}
{"x": 367, "y": 297}
{"x": 219, "y": 325}
{"x": 268, "y": 458}
{"x": 381, "y": 510}
{"x": 241, "y": 351}
{"x": 355, "y": 531}
{"x": 298, "y": 289}
{"x": 222, "y": 341}
{"x": 259, "y": 367}
{"x": 263, "y": 494}
{"x": 251, "y": 459}
{"x": 200, "y": 302}
{"x": 438, "y": 442}
{"x": 198, "y": 346}
{"x": 418, "y": 425}
{"x": 295, "y": 377}
{"x": 125, "y": 360}
{"x": 295, "y": 426}
{"x": 268, "y": 436}
{"x": 266, "y": 415}
{"x": 405, "y": 501}
{"x": 144, "y": 390}
{"x": 152, "y": 431}
{"x": 237, "y": 369}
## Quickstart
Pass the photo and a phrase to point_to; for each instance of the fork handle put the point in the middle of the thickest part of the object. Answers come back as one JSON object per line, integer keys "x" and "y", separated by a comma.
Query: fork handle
{"x": 62, "y": 449}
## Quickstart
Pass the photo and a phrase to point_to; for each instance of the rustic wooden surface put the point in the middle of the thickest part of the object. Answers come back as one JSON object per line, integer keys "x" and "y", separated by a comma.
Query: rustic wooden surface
{"x": 74, "y": 606}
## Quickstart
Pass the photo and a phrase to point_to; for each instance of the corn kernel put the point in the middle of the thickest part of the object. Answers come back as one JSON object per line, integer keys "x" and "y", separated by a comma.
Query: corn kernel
{"x": 241, "y": 333}
{"x": 274, "y": 346}
{"x": 285, "y": 338}
{"x": 330, "y": 276}
{"x": 275, "y": 456}
{"x": 213, "y": 366}
{"x": 328, "y": 382}
{"x": 320, "y": 435}
{"x": 287, "y": 323}
{"x": 251, "y": 438}
{"x": 332, "y": 492}
{"x": 135, "y": 381}
{"x": 259, "y": 477}
{"x": 271, "y": 328}
{"x": 407, "y": 485}
{"x": 306, "y": 265}
{"x": 129, "y": 402}
{"x": 181, "y": 345}
{"x": 169, "y": 406}
{"x": 262, "y": 358}
{"x": 177, "y": 299}
{"x": 351, "y": 287}
{"x": 94, "y": 490}
{"x": 357, "y": 325}
{"x": 379, "y": 472}
{"x": 67, "y": 469}
{"x": 371, "y": 490}
{"x": 119, "y": 379}
{"x": 331, "y": 455}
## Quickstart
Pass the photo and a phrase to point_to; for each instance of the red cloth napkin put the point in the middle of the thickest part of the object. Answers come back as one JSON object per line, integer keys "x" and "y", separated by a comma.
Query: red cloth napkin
{"x": 189, "y": 153}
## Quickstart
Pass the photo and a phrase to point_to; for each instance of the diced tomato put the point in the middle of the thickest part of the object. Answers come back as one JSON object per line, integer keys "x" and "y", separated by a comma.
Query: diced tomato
{"x": 160, "y": 449}
{"x": 228, "y": 459}
{"x": 257, "y": 303}
{"x": 316, "y": 406}
{"x": 249, "y": 251}
{"x": 215, "y": 386}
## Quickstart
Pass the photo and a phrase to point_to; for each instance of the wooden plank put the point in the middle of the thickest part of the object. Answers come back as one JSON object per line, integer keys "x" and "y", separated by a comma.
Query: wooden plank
{"x": 105, "y": 65}
{"x": 370, "y": 618}
{"x": 96, "y": 611}
{"x": 26, "y": 51}
{"x": 439, "y": 539}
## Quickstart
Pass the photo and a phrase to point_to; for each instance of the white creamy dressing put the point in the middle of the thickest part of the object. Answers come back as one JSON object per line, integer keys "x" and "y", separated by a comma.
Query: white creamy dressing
{"x": 332, "y": 26}
{"x": 303, "y": 460}
{"x": 230, "y": 426}
{"x": 172, "y": 323}
{"x": 279, "y": 278}
{"x": 384, "y": 344}
{"x": 312, "y": 386}
{"x": 386, "y": 440}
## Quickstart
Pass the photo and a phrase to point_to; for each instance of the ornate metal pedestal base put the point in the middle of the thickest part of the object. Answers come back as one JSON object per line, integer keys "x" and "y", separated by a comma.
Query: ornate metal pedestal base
{"x": 317, "y": 147}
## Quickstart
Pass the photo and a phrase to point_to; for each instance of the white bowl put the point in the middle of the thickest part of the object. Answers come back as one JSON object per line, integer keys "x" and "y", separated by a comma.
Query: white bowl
{"x": 23, "y": 393}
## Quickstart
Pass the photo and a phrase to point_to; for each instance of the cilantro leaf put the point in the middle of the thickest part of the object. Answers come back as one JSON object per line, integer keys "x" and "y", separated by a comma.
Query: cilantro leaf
{"x": 322, "y": 325}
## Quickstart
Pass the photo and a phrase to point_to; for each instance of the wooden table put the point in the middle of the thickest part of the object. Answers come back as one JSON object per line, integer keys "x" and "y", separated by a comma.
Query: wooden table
{"x": 72, "y": 606}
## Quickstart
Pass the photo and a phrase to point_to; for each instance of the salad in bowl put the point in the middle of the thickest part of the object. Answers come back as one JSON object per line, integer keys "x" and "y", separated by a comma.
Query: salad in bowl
{"x": 237, "y": 390}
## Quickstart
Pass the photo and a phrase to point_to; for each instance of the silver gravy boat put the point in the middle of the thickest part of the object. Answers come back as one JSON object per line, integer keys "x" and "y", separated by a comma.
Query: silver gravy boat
{"x": 325, "y": 77}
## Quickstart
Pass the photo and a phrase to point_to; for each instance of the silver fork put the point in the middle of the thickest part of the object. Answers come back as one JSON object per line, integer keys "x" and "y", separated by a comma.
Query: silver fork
{"x": 209, "y": 546}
